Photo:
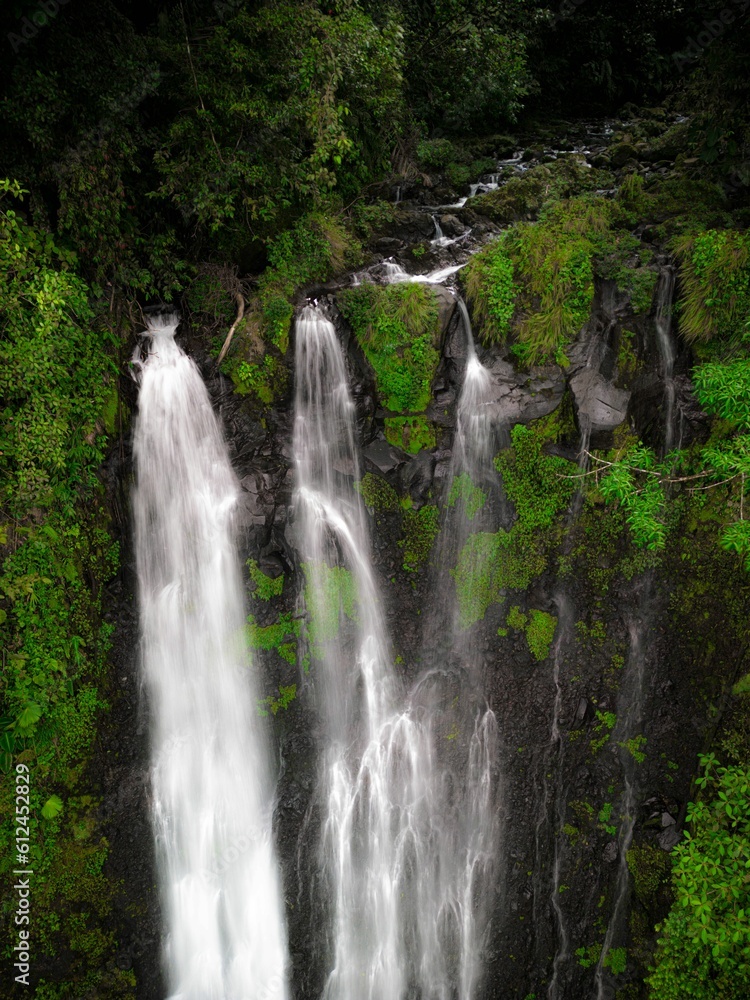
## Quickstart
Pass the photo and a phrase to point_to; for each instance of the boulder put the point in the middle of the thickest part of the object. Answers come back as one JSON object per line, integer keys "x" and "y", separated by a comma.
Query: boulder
{"x": 599, "y": 404}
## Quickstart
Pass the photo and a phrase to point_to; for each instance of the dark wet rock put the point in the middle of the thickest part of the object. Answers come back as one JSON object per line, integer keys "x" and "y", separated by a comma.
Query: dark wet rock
{"x": 622, "y": 153}
{"x": 416, "y": 476}
{"x": 519, "y": 397}
{"x": 610, "y": 852}
{"x": 384, "y": 456}
{"x": 669, "y": 838}
{"x": 451, "y": 225}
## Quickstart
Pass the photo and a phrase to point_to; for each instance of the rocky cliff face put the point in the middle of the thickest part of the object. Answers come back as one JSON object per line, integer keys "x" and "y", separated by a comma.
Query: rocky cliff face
{"x": 599, "y": 721}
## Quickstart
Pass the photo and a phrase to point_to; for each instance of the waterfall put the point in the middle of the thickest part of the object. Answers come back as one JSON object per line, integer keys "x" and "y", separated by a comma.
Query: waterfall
{"x": 627, "y": 734}
{"x": 463, "y": 727}
{"x": 211, "y": 786}
{"x": 404, "y": 845}
{"x": 665, "y": 342}
{"x": 362, "y": 842}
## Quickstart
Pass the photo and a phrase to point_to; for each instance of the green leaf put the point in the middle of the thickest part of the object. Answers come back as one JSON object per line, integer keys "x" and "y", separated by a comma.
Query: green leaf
{"x": 52, "y": 807}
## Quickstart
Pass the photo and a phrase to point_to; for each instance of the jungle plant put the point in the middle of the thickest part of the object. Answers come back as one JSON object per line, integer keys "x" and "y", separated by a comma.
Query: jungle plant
{"x": 704, "y": 948}
{"x": 397, "y": 328}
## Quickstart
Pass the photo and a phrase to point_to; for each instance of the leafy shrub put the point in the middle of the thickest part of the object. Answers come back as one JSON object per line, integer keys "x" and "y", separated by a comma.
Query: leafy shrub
{"x": 704, "y": 948}
{"x": 715, "y": 278}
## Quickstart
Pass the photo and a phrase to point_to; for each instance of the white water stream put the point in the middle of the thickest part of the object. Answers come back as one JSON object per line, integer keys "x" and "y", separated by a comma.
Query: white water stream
{"x": 404, "y": 859}
{"x": 211, "y": 787}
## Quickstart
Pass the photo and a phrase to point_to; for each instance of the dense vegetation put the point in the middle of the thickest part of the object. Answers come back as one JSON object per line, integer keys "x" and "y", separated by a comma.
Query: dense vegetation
{"x": 222, "y": 156}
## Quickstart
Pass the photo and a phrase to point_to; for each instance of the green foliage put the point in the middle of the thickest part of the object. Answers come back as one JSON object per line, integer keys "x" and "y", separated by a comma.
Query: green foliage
{"x": 602, "y": 730}
{"x": 704, "y": 948}
{"x": 521, "y": 198}
{"x": 491, "y": 290}
{"x": 57, "y": 383}
{"x": 287, "y": 694}
{"x": 539, "y": 485}
{"x": 330, "y": 597}
{"x": 723, "y": 388}
{"x": 469, "y": 498}
{"x": 588, "y": 956}
{"x": 266, "y": 587}
{"x": 434, "y": 154}
{"x": 715, "y": 282}
{"x": 377, "y": 493}
{"x": 465, "y": 63}
{"x": 55, "y": 373}
{"x": 538, "y": 279}
{"x": 267, "y": 380}
{"x": 282, "y": 636}
{"x": 539, "y": 628}
{"x": 412, "y": 434}
{"x": 488, "y": 566}
{"x": 288, "y": 102}
{"x": 397, "y": 328}
{"x": 420, "y": 530}
{"x": 635, "y": 746}
{"x": 642, "y": 499}
{"x": 616, "y": 960}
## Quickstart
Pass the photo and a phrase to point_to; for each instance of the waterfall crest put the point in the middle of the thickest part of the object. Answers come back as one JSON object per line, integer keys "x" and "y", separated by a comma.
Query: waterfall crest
{"x": 212, "y": 790}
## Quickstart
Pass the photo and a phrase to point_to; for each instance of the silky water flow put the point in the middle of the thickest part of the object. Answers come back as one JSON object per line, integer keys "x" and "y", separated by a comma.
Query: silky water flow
{"x": 211, "y": 784}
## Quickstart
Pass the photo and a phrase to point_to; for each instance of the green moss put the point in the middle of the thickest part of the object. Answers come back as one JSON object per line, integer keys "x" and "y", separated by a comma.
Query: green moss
{"x": 412, "y": 434}
{"x": 281, "y": 636}
{"x": 420, "y": 530}
{"x": 266, "y": 587}
{"x": 589, "y": 956}
{"x": 650, "y": 870}
{"x": 397, "y": 327}
{"x": 540, "y": 633}
{"x": 489, "y": 565}
{"x": 522, "y": 197}
{"x": 635, "y": 747}
{"x": 377, "y": 493}
{"x": 539, "y": 485}
{"x": 330, "y": 596}
{"x": 517, "y": 619}
{"x": 538, "y": 627}
{"x": 470, "y": 498}
{"x": 287, "y": 694}
{"x": 616, "y": 960}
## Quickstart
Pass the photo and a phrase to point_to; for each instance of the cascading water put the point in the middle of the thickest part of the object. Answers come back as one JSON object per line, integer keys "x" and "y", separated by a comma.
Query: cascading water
{"x": 405, "y": 854}
{"x": 361, "y": 844}
{"x": 627, "y": 734}
{"x": 212, "y": 792}
{"x": 663, "y": 323}
{"x": 467, "y": 820}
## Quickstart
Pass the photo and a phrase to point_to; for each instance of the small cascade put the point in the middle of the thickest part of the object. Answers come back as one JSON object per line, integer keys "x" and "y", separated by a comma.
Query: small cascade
{"x": 666, "y": 344}
{"x": 556, "y": 802}
{"x": 465, "y": 738}
{"x": 630, "y": 715}
{"x": 392, "y": 273}
{"x": 211, "y": 785}
{"x": 398, "y": 195}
